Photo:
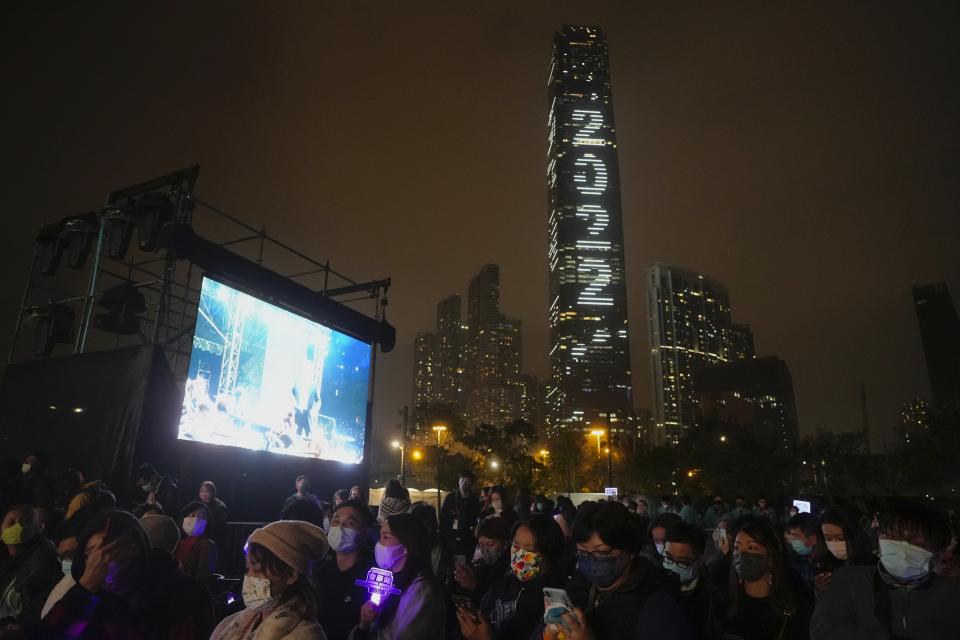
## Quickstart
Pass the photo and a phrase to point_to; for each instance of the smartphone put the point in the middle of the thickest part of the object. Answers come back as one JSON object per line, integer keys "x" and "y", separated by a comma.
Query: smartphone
{"x": 465, "y": 603}
{"x": 557, "y": 603}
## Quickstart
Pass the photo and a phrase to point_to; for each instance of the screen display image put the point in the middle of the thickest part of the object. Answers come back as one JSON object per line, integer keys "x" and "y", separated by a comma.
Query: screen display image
{"x": 266, "y": 379}
{"x": 803, "y": 506}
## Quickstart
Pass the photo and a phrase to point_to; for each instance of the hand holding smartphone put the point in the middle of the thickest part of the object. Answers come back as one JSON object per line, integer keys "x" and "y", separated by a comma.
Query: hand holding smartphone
{"x": 556, "y": 603}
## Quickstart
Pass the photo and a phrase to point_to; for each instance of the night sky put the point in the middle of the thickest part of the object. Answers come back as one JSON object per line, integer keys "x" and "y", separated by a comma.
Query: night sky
{"x": 807, "y": 157}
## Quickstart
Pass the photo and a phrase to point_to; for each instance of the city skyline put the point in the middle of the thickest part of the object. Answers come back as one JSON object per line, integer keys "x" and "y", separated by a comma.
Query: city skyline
{"x": 801, "y": 155}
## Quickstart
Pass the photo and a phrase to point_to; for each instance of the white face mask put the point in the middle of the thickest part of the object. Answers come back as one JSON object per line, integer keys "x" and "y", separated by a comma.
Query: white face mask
{"x": 193, "y": 526}
{"x": 904, "y": 561}
{"x": 147, "y": 488}
{"x": 25, "y": 468}
{"x": 660, "y": 546}
{"x": 342, "y": 539}
{"x": 256, "y": 591}
{"x": 838, "y": 548}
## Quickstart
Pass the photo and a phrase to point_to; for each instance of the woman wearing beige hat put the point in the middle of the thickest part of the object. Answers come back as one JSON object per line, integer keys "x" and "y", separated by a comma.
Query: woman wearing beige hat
{"x": 280, "y": 604}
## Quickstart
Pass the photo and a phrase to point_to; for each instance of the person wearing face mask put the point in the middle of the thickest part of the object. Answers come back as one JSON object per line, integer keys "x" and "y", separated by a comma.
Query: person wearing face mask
{"x": 712, "y": 516}
{"x": 845, "y": 544}
{"x": 157, "y": 488}
{"x": 418, "y": 612}
{"x": 67, "y": 541}
{"x": 29, "y": 568}
{"x": 196, "y": 554}
{"x": 900, "y": 596}
{"x": 33, "y": 486}
{"x": 512, "y": 608}
{"x": 338, "y": 597}
{"x": 500, "y": 505}
{"x": 279, "y": 603}
{"x": 683, "y": 554}
{"x": 803, "y": 536}
{"x": 459, "y": 515}
{"x": 759, "y": 602}
{"x": 492, "y": 559}
{"x": 617, "y": 592}
{"x": 653, "y": 550}
{"x": 126, "y": 589}
{"x": 217, "y": 521}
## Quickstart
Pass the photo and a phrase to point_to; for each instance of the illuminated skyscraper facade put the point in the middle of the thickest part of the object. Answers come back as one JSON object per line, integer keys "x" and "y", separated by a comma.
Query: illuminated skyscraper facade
{"x": 589, "y": 347}
{"x": 448, "y": 382}
{"x": 689, "y": 319}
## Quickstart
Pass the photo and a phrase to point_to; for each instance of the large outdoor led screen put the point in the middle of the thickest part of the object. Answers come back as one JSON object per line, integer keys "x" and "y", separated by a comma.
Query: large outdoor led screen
{"x": 264, "y": 378}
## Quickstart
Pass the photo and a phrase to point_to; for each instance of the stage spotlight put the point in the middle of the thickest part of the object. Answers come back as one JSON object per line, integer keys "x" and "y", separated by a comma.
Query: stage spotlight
{"x": 54, "y": 324}
{"x": 122, "y": 302}
{"x": 151, "y": 212}
{"x": 77, "y": 235}
{"x": 49, "y": 248}
{"x": 118, "y": 221}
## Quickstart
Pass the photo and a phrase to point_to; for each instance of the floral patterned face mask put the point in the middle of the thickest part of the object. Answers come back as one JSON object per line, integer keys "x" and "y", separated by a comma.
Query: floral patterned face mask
{"x": 524, "y": 564}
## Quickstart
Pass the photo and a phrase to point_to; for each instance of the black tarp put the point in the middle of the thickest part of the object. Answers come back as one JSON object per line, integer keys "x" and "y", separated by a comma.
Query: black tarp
{"x": 104, "y": 410}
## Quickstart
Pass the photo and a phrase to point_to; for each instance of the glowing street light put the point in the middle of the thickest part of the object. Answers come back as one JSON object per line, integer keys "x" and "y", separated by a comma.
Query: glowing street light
{"x": 417, "y": 454}
{"x": 723, "y": 438}
{"x": 396, "y": 444}
{"x": 494, "y": 464}
{"x": 598, "y": 433}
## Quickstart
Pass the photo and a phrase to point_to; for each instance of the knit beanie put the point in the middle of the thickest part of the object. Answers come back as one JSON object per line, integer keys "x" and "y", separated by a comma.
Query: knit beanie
{"x": 295, "y": 542}
{"x": 392, "y": 506}
{"x": 162, "y": 532}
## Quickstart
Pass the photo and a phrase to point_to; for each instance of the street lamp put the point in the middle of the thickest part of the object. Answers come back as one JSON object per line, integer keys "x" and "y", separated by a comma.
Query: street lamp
{"x": 417, "y": 454}
{"x": 723, "y": 438}
{"x": 494, "y": 464}
{"x": 597, "y": 433}
{"x": 396, "y": 445}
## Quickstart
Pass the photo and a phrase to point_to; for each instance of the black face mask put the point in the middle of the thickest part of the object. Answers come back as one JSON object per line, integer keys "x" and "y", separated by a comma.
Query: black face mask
{"x": 750, "y": 566}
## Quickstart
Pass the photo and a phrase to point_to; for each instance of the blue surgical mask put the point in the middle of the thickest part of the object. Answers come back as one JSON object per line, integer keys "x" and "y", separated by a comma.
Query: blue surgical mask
{"x": 686, "y": 574}
{"x": 800, "y": 548}
{"x": 905, "y": 561}
{"x": 66, "y": 565}
{"x": 601, "y": 571}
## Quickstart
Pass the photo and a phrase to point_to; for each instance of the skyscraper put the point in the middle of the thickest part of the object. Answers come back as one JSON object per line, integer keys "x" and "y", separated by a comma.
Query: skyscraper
{"x": 589, "y": 347}
{"x": 940, "y": 332}
{"x": 449, "y": 351}
{"x": 689, "y": 317}
{"x": 424, "y": 370}
{"x": 756, "y": 393}
{"x": 914, "y": 418}
{"x": 739, "y": 343}
{"x": 493, "y": 347}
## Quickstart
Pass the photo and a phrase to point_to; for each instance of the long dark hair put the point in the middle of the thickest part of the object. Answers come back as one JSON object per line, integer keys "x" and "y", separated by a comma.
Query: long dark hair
{"x": 414, "y": 536}
{"x": 782, "y": 598}
{"x": 859, "y": 547}
{"x": 300, "y": 589}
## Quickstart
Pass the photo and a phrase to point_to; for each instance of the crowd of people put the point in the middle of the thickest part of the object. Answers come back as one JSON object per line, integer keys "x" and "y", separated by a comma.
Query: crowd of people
{"x": 491, "y": 564}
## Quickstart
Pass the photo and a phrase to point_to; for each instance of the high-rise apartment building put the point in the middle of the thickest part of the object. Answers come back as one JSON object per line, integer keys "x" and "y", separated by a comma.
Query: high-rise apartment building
{"x": 940, "y": 333}
{"x": 756, "y": 393}
{"x": 589, "y": 346}
{"x": 689, "y": 317}
{"x": 449, "y": 353}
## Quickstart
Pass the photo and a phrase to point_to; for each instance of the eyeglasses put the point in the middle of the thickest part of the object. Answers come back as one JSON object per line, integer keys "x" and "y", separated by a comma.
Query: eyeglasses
{"x": 683, "y": 564}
